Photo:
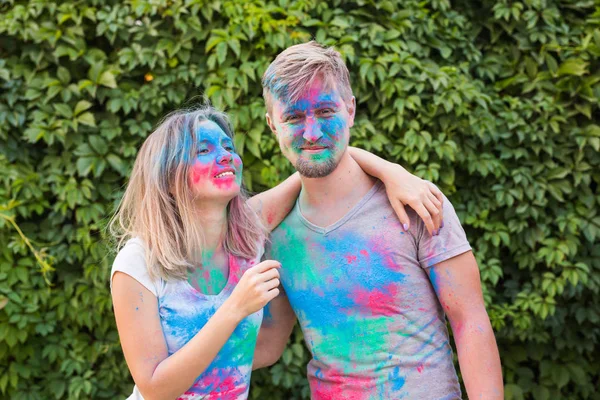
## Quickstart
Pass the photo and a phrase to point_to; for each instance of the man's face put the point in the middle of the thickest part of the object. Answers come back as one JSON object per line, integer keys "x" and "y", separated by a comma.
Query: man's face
{"x": 313, "y": 132}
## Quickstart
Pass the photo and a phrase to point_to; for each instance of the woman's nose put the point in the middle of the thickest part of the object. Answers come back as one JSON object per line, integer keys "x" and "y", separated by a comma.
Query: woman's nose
{"x": 224, "y": 158}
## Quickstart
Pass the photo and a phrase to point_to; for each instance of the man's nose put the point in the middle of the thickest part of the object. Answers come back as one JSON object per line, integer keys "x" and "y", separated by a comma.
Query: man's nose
{"x": 312, "y": 130}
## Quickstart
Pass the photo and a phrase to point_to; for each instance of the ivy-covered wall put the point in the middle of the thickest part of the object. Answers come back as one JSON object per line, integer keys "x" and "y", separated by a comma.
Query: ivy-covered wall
{"x": 494, "y": 101}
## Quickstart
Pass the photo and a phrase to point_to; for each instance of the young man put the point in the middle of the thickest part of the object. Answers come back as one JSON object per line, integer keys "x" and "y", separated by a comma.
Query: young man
{"x": 370, "y": 295}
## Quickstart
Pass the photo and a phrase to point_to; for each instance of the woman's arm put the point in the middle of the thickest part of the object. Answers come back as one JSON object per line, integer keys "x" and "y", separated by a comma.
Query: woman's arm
{"x": 274, "y": 204}
{"x": 404, "y": 188}
{"x": 160, "y": 376}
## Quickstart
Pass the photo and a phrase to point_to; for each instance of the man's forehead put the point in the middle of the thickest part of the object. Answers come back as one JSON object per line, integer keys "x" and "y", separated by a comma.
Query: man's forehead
{"x": 311, "y": 99}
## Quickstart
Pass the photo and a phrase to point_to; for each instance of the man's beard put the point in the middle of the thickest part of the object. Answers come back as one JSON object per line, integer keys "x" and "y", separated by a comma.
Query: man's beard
{"x": 312, "y": 169}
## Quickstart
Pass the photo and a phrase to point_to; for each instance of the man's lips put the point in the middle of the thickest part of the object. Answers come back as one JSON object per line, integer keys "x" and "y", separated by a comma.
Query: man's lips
{"x": 313, "y": 147}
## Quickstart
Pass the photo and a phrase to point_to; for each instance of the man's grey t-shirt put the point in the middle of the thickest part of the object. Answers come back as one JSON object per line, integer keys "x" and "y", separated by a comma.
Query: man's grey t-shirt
{"x": 367, "y": 308}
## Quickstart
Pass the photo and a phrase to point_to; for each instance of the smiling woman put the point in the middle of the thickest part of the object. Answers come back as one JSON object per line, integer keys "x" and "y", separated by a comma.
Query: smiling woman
{"x": 217, "y": 165}
{"x": 188, "y": 286}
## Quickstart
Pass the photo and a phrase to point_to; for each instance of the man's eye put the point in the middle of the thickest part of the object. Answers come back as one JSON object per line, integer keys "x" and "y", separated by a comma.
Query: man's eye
{"x": 326, "y": 111}
{"x": 292, "y": 118}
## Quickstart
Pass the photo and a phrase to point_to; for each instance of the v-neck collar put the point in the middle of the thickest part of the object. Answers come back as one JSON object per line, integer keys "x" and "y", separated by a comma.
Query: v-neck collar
{"x": 341, "y": 221}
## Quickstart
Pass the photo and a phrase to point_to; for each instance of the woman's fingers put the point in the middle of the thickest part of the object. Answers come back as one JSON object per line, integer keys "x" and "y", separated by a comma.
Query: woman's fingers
{"x": 436, "y": 192}
{"x": 271, "y": 294}
{"x": 272, "y": 284}
{"x": 269, "y": 275}
{"x": 265, "y": 266}
{"x": 435, "y": 214}
{"x": 437, "y": 219}
{"x": 401, "y": 213}
{"x": 422, "y": 211}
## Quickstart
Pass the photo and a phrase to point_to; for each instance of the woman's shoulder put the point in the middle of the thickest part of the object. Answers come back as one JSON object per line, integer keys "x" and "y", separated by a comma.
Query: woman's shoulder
{"x": 132, "y": 253}
{"x": 131, "y": 260}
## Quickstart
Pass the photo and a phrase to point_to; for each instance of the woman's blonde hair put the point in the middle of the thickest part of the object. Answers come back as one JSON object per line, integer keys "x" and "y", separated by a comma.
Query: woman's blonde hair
{"x": 157, "y": 205}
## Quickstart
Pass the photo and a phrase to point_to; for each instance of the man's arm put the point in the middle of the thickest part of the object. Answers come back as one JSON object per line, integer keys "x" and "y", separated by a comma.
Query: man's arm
{"x": 278, "y": 323}
{"x": 457, "y": 284}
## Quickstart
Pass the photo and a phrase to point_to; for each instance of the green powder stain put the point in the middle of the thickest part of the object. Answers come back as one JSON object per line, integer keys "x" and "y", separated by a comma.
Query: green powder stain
{"x": 331, "y": 342}
{"x": 207, "y": 278}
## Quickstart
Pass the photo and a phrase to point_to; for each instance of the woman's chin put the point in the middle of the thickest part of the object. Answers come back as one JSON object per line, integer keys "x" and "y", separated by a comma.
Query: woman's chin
{"x": 227, "y": 192}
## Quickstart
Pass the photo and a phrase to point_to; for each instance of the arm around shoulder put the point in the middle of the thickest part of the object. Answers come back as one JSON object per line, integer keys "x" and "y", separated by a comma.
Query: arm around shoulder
{"x": 274, "y": 204}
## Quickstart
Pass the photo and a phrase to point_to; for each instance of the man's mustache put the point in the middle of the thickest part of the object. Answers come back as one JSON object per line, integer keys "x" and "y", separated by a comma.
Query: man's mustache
{"x": 300, "y": 144}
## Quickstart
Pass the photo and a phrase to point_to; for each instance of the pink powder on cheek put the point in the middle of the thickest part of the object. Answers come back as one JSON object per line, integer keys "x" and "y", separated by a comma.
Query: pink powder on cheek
{"x": 199, "y": 172}
{"x": 237, "y": 162}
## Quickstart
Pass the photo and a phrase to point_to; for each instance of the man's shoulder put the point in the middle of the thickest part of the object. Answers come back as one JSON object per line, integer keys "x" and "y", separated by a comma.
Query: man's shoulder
{"x": 291, "y": 223}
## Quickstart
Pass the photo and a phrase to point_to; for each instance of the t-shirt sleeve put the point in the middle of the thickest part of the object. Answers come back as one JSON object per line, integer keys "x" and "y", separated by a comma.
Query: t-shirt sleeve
{"x": 131, "y": 261}
{"x": 451, "y": 241}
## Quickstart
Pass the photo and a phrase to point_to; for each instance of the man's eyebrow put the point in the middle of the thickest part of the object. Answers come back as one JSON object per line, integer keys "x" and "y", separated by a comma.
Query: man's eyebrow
{"x": 326, "y": 103}
{"x": 291, "y": 110}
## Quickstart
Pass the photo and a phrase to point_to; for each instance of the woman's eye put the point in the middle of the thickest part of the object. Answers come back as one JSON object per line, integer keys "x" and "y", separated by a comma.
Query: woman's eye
{"x": 203, "y": 151}
{"x": 229, "y": 148}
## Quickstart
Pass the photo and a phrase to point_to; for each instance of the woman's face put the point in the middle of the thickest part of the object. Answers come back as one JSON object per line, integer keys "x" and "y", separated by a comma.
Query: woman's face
{"x": 216, "y": 172}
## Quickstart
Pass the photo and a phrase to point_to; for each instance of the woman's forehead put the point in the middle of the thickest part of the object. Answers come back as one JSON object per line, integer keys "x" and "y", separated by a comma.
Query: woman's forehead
{"x": 211, "y": 131}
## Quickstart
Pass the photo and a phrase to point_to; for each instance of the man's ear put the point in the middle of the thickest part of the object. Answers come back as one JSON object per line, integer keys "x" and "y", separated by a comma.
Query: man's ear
{"x": 270, "y": 123}
{"x": 351, "y": 111}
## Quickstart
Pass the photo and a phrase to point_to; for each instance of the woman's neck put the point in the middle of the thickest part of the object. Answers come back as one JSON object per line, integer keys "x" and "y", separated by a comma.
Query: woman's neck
{"x": 213, "y": 219}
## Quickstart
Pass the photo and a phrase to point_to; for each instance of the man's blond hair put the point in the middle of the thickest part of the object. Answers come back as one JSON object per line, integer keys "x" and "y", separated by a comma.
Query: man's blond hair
{"x": 294, "y": 69}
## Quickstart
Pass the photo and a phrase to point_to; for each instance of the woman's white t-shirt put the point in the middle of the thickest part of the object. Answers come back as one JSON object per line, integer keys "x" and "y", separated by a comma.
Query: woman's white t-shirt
{"x": 183, "y": 311}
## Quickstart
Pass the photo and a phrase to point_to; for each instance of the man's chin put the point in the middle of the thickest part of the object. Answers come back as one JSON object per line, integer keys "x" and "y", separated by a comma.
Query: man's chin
{"x": 314, "y": 169}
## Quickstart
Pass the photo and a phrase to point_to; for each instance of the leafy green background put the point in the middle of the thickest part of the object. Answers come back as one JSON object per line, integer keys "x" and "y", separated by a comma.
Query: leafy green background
{"x": 494, "y": 101}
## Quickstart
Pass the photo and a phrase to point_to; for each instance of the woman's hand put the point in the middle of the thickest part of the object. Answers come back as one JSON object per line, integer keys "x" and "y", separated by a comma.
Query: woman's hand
{"x": 405, "y": 189}
{"x": 256, "y": 288}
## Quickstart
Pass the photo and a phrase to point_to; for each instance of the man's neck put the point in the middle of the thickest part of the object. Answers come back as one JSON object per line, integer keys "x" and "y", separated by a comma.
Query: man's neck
{"x": 325, "y": 200}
